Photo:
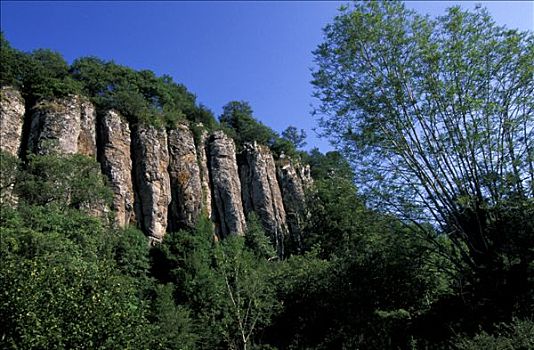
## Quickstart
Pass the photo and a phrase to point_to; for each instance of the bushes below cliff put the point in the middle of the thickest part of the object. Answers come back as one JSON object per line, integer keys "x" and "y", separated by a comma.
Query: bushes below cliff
{"x": 69, "y": 280}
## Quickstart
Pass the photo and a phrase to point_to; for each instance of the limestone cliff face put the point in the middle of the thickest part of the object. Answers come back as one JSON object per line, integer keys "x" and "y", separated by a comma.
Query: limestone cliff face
{"x": 261, "y": 192}
{"x": 152, "y": 184}
{"x": 204, "y": 172}
{"x": 294, "y": 179}
{"x": 63, "y": 126}
{"x": 12, "y": 110}
{"x": 117, "y": 164}
{"x": 184, "y": 173}
{"x": 162, "y": 181}
{"x": 230, "y": 218}
{"x": 11, "y": 120}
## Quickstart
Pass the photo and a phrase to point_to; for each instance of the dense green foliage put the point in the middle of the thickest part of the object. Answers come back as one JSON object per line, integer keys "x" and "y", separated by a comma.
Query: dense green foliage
{"x": 140, "y": 96}
{"x": 367, "y": 277}
{"x": 239, "y": 122}
{"x": 436, "y": 117}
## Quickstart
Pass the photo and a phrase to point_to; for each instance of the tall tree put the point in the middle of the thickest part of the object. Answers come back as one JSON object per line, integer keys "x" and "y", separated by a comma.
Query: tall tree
{"x": 437, "y": 118}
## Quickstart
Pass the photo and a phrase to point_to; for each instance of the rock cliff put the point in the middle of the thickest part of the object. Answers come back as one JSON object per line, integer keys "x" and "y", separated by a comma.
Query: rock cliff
{"x": 186, "y": 184}
{"x": 11, "y": 120}
{"x": 230, "y": 218}
{"x": 294, "y": 179}
{"x": 116, "y": 164}
{"x": 163, "y": 180}
{"x": 151, "y": 179}
{"x": 202, "y": 146}
{"x": 12, "y": 110}
{"x": 63, "y": 126}
{"x": 261, "y": 192}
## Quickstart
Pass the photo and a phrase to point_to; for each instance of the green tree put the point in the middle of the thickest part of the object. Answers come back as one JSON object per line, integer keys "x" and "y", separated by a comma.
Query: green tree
{"x": 237, "y": 117}
{"x": 65, "y": 181}
{"x": 296, "y": 137}
{"x": 173, "y": 324}
{"x": 247, "y": 291}
{"x": 256, "y": 240}
{"x": 60, "y": 286}
{"x": 436, "y": 117}
{"x": 14, "y": 65}
{"x": 9, "y": 170}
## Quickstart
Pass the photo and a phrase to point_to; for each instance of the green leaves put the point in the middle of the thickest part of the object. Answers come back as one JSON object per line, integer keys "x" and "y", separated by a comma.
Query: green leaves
{"x": 73, "y": 181}
{"x": 436, "y": 118}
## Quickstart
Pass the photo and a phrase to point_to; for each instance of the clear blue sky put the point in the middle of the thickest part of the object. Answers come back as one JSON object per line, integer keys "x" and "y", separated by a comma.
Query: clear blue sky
{"x": 222, "y": 51}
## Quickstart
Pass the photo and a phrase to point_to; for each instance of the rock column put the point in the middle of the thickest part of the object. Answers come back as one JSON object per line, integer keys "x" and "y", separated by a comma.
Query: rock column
{"x": 117, "y": 164}
{"x": 293, "y": 180}
{"x": 11, "y": 120}
{"x": 151, "y": 160}
{"x": 63, "y": 126}
{"x": 204, "y": 173}
{"x": 230, "y": 218}
{"x": 261, "y": 192}
{"x": 184, "y": 173}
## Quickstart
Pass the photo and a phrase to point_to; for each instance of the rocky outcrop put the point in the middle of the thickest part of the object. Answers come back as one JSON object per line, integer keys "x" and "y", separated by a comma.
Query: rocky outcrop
{"x": 11, "y": 120}
{"x": 261, "y": 192}
{"x": 117, "y": 164}
{"x": 163, "y": 181}
{"x": 87, "y": 135}
{"x": 152, "y": 184}
{"x": 204, "y": 171}
{"x": 294, "y": 179}
{"x": 184, "y": 173}
{"x": 63, "y": 126}
{"x": 229, "y": 215}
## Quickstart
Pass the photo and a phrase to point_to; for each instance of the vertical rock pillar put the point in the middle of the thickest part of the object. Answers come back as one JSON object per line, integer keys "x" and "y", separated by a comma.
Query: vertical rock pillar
{"x": 11, "y": 120}
{"x": 63, "y": 126}
{"x": 184, "y": 173}
{"x": 294, "y": 179}
{"x": 117, "y": 164}
{"x": 261, "y": 192}
{"x": 12, "y": 111}
{"x": 153, "y": 194}
{"x": 230, "y": 218}
{"x": 202, "y": 146}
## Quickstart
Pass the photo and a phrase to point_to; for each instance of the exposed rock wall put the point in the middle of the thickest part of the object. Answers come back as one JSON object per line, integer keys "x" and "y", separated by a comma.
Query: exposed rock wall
{"x": 261, "y": 192}
{"x": 87, "y": 135}
{"x": 152, "y": 184}
{"x": 226, "y": 186}
{"x": 184, "y": 173}
{"x": 164, "y": 181}
{"x": 117, "y": 164}
{"x": 63, "y": 126}
{"x": 294, "y": 179}
{"x": 204, "y": 172}
{"x": 12, "y": 111}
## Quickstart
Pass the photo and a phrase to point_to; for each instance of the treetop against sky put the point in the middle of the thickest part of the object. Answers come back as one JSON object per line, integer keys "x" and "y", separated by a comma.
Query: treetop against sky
{"x": 260, "y": 52}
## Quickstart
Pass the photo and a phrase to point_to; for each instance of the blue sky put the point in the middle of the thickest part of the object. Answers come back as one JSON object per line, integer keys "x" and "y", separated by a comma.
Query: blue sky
{"x": 222, "y": 51}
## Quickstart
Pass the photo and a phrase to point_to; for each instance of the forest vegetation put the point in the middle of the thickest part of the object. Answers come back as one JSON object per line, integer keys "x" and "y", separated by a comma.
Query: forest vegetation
{"x": 419, "y": 230}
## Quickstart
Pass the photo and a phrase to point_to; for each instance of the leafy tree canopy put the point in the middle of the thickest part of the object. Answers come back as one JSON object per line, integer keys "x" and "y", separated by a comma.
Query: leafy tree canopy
{"x": 436, "y": 116}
